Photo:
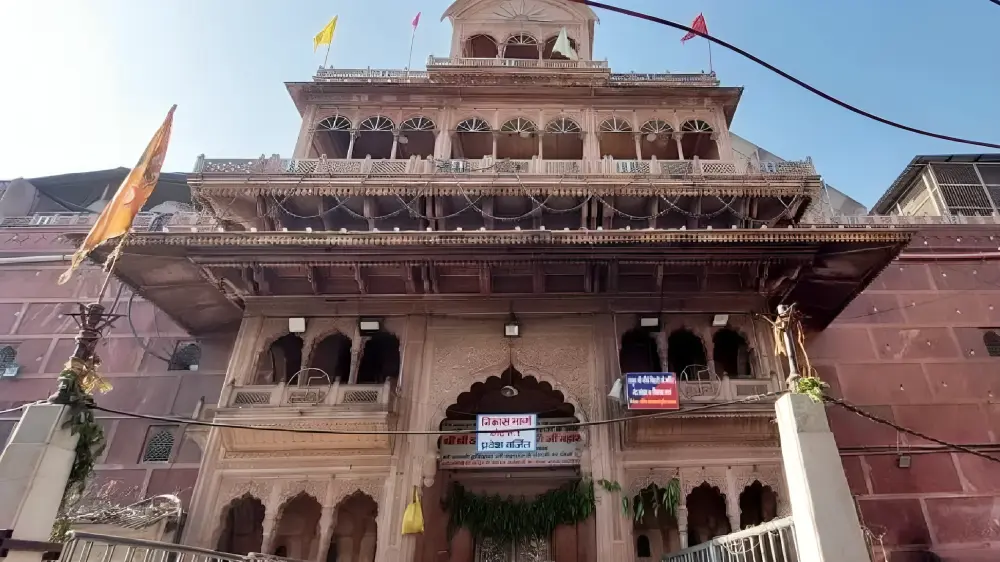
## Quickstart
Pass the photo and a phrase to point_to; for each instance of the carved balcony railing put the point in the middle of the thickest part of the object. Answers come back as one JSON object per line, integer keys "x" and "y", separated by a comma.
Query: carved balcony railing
{"x": 773, "y": 541}
{"x": 371, "y": 75}
{"x": 703, "y": 386}
{"x": 83, "y": 221}
{"x": 353, "y": 396}
{"x": 277, "y": 166}
{"x": 666, "y": 78}
{"x": 468, "y": 62}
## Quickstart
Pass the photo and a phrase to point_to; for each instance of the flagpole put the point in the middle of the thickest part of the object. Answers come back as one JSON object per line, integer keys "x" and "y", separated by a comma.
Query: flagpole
{"x": 409, "y": 60}
{"x": 328, "y": 45}
{"x": 710, "y": 69}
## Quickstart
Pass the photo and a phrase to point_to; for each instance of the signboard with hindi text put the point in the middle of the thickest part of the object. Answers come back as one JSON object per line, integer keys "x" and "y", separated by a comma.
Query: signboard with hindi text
{"x": 651, "y": 391}
{"x": 500, "y": 433}
{"x": 554, "y": 446}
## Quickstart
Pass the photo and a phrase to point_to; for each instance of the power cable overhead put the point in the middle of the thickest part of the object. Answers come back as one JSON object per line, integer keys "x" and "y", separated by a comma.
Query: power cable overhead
{"x": 788, "y": 76}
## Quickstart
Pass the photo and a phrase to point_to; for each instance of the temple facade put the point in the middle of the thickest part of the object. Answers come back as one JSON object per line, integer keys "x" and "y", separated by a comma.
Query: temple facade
{"x": 505, "y": 235}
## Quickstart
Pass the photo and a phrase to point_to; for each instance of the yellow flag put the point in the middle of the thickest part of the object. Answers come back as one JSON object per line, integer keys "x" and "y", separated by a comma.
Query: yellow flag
{"x": 116, "y": 218}
{"x": 324, "y": 37}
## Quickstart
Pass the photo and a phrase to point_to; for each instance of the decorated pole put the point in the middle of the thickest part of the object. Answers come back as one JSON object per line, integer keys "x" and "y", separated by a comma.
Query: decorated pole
{"x": 52, "y": 451}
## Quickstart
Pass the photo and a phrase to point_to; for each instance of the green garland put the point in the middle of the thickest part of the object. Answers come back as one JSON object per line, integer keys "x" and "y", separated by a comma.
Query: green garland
{"x": 811, "y": 386}
{"x": 77, "y": 381}
{"x": 652, "y": 498}
{"x": 509, "y": 520}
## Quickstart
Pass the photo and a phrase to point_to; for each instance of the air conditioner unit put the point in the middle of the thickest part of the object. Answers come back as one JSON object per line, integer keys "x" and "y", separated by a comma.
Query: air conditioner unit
{"x": 9, "y": 371}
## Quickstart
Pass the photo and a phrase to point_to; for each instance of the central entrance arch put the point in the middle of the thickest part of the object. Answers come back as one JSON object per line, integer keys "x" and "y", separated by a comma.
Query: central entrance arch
{"x": 515, "y": 483}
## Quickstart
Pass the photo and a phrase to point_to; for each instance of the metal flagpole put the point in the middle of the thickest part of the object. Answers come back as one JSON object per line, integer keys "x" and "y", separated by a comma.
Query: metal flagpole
{"x": 328, "y": 45}
{"x": 409, "y": 60}
{"x": 710, "y": 69}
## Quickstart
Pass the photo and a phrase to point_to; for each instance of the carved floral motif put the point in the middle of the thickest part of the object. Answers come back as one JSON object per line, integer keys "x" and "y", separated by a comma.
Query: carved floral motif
{"x": 713, "y": 476}
{"x": 345, "y": 487}
{"x": 660, "y": 478}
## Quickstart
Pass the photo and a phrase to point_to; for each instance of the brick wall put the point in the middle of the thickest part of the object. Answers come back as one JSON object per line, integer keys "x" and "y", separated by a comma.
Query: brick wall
{"x": 33, "y": 319}
{"x": 910, "y": 349}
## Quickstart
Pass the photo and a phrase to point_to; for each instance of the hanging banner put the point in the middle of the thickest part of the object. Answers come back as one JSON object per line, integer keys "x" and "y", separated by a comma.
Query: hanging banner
{"x": 651, "y": 391}
{"x": 500, "y": 433}
{"x": 557, "y": 446}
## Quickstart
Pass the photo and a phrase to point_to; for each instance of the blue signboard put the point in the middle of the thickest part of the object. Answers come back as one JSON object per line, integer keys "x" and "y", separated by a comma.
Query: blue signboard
{"x": 651, "y": 391}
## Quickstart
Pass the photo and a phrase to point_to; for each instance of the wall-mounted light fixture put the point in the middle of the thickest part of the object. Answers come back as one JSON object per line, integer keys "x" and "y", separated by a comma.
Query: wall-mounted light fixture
{"x": 512, "y": 328}
{"x": 369, "y": 326}
{"x": 650, "y": 322}
{"x": 296, "y": 325}
{"x": 720, "y": 320}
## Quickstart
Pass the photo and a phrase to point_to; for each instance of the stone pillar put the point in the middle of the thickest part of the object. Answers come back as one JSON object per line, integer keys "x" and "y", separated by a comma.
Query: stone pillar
{"x": 732, "y": 501}
{"x": 34, "y": 469}
{"x": 680, "y": 149}
{"x": 826, "y": 521}
{"x": 682, "y": 523}
{"x": 326, "y": 522}
{"x": 395, "y": 145}
{"x": 350, "y": 145}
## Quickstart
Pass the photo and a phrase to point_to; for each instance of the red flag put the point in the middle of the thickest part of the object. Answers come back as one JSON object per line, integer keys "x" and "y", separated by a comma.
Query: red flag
{"x": 416, "y": 20}
{"x": 699, "y": 26}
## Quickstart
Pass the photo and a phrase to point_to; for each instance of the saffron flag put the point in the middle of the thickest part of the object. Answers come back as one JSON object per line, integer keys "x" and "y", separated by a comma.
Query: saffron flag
{"x": 564, "y": 47}
{"x": 416, "y": 20}
{"x": 116, "y": 218}
{"x": 698, "y": 25}
{"x": 326, "y": 36}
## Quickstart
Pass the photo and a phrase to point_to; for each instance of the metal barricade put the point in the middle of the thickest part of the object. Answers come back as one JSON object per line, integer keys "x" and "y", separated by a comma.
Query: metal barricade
{"x": 773, "y": 541}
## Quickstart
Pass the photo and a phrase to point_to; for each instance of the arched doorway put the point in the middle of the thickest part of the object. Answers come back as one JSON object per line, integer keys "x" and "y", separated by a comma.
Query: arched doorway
{"x": 355, "y": 531}
{"x": 242, "y": 526}
{"x": 707, "y": 519}
{"x": 298, "y": 528}
{"x": 472, "y": 485}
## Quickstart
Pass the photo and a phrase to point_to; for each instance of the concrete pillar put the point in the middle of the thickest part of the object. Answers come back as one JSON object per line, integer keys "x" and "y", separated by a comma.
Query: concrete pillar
{"x": 826, "y": 522}
{"x": 34, "y": 469}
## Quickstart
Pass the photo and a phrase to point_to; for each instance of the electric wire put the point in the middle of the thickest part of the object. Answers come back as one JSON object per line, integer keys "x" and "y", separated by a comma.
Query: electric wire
{"x": 135, "y": 334}
{"x": 787, "y": 76}
{"x": 960, "y": 448}
{"x": 575, "y": 425}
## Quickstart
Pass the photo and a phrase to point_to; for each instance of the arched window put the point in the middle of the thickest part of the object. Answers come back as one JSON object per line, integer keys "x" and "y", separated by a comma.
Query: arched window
{"x": 642, "y": 548}
{"x": 520, "y": 46}
{"x": 517, "y": 140}
{"x": 8, "y": 357}
{"x": 379, "y": 359}
{"x": 333, "y": 137}
{"x": 615, "y": 139}
{"x": 563, "y": 140}
{"x": 698, "y": 141}
{"x": 332, "y": 355}
{"x": 657, "y": 140}
{"x": 416, "y": 138}
{"x": 638, "y": 353}
{"x": 481, "y": 47}
{"x": 990, "y": 339}
{"x": 186, "y": 357}
{"x": 281, "y": 361}
{"x": 471, "y": 140}
{"x": 519, "y": 125}
{"x": 159, "y": 444}
{"x": 731, "y": 354}
{"x": 374, "y": 138}
{"x": 686, "y": 355}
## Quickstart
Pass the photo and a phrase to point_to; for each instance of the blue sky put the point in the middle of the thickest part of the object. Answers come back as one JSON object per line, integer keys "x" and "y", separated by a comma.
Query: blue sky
{"x": 86, "y": 82}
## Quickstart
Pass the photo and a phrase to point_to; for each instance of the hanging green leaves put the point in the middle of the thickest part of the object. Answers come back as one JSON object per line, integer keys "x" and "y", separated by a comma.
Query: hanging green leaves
{"x": 652, "y": 498}
{"x": 509, "y": 520}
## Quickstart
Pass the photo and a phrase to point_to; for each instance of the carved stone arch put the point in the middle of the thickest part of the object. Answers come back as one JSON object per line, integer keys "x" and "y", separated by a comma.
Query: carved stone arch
{"x": 229, "y": 492}
{"x": 320, "y": 328}
{"x": 315, "y": 489}
{"x": 661, "y": 478}
{"x": 440, "y": 411}
{"x": 715, "y": 477}
{"x": 343, "y": 488}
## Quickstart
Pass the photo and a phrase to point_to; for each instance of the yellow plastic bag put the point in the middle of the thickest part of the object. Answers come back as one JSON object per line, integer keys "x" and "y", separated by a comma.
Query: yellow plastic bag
{"x": 413, "y": 517}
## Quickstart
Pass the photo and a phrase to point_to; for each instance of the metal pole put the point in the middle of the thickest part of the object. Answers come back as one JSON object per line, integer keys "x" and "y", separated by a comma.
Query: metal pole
{"x": 785, "y": 316}
{"x": 409, "y": 60}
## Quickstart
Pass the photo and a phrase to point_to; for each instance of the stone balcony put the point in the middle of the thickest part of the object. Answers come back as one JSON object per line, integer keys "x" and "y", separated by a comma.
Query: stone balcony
{"x": 277, "y": 166}
{"x": 320, "y": 418}
{"x": 436, "y": 66}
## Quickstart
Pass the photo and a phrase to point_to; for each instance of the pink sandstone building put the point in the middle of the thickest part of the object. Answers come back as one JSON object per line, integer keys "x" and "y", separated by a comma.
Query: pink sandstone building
{"x": 508, "y": 232}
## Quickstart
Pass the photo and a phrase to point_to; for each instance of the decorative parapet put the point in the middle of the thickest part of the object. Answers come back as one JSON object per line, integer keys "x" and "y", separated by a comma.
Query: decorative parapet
{"x": 404, "y": 76}
{"x": 277, "y": 166}
{"x": 347, "y": 395}
{"x": 144, "y": 222}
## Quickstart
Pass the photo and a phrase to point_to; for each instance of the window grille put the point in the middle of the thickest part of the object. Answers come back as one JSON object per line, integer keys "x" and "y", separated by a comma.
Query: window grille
{"x": 992, "y": 342}
{"x": 159, "y": 444}
{"x": 186, "y": 357}
{"x": 8, "y": 357}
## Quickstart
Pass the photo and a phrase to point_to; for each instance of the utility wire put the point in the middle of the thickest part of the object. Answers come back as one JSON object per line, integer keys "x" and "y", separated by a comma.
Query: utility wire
{"x": 901, "y": 429}
{"x": 576, "y": 425}
{"x": 786, "y": 75}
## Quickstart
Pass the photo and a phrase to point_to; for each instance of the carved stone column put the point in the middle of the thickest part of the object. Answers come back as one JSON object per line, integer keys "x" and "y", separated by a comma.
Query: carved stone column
{"x": 271, "y": 508}
{"x": 357, "y": 350}
{"x": 350, "y": 145}
{"x": 732, "y": 501}
{"x": 680, "y": 149}
{"x": 682, "y": 523}
{"x": 327, "y": 520}
{"x": 395, "y": 145}
{"x": 638, "y": 145}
